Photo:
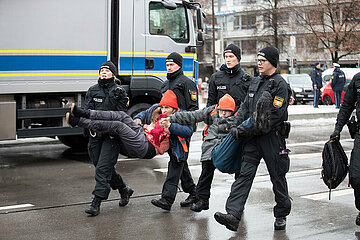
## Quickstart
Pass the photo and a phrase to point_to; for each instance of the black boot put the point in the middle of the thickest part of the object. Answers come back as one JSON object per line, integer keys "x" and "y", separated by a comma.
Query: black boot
{"x": 161, "y": 203}
{"x": 94, "y": 208}
{"x": 189, "y": 200}
{"x": 79, "y": 112}
{"x": 125, "y": 194}
{"x": 358, "y": 219}
{"x": 230, "y": 221}
{"x": 200, "y": 205}
{"x": 280, "y": 223}
{"x": 262, "y": 113}
{"x": 71, "y": 120}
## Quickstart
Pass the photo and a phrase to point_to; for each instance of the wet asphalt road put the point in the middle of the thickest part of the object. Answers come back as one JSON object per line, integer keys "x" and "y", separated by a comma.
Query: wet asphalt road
{"x": 56, "y": 183}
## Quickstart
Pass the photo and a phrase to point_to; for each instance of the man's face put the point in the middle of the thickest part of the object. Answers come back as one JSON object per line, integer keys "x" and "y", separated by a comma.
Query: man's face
{"x": 167, "y": 110}
{"x": 105, "y": 73}
{"x": 224, "y": 113}
{"x": 265, "y": 67}
{"x": 318, "y": 66}
{"x": 172, "y": 67}
{"x": 230, "y": 60}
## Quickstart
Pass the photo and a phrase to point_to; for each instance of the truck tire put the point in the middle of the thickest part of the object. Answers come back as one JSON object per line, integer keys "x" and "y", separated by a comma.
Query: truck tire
{"x": 327, "y": 100}
{"x": 75, "y": 141}
{"x": 137, "y": 108}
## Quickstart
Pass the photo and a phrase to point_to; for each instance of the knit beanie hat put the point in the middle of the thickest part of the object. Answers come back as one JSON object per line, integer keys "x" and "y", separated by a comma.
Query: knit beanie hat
{"x": 109, "y": 65}
{"x": 271, "y": 53}
{"x": 169, "y": 99}
{"x": 227, "y": 103}
{"x": 234, "y": 50}
{"x": 175, "y": 57}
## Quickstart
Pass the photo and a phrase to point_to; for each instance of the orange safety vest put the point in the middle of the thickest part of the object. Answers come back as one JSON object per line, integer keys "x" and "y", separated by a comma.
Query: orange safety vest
{"x": 183, "y": 144}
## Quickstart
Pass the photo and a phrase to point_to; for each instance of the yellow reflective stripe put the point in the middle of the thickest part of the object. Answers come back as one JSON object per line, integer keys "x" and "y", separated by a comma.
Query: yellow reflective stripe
{"x": 49, "y": 51}
{"x": 157, "y": 53}
{"x": 78, "y": 74}
{"x": 150, "y": 74}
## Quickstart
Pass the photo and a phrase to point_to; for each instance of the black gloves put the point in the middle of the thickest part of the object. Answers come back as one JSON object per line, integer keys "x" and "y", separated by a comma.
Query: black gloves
{"x": 239, "y": 132}
{"x": 335, "y": 135}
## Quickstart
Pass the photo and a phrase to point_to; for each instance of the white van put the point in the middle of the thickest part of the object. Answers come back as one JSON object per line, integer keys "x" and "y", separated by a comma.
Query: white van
{"x": 349, "y": 73}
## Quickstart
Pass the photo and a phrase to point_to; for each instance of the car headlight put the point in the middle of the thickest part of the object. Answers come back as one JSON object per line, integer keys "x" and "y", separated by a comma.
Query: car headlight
{"x": 297, "y": 90}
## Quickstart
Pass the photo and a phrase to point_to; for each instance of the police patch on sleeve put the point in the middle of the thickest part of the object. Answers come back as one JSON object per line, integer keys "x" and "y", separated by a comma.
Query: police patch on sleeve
{"x": 278, "y": 102}
{"x": 193, "y": 95}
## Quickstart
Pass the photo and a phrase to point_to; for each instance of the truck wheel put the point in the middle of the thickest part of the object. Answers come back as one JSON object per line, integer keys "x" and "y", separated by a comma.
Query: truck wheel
{"x": 137, "y": 108}
{"x": 75, "y": 141}
{"x": 327, "y": 100}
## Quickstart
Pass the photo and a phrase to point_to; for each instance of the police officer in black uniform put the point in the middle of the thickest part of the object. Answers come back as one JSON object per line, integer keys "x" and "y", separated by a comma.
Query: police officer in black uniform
{"x": 316, "y": 83}
{"x": 230, "y": 79}
{"x": 268, "y": 145}
{"x": 107, "y": 94}
{"x": 233, "y": 80}
{"x": 187, "y": 98}
{"x": 337, "y": 84}
{"x": 351, "y": 101}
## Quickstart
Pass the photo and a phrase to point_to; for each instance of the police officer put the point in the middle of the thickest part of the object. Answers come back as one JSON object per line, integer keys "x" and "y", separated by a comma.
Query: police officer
{"x": 187, "y": 98}
{"x": 351, "y": 101}
{"x": 107, "y": 94}
{"x": 230, "y": 79}
{"x": 337, "y": 84}
{"x": 269, "y": 145}
{"x": 317, "y": 83}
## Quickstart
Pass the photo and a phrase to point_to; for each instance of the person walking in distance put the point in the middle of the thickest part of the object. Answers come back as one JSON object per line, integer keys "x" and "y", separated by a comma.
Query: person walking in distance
{"x": 317, "y": 83}
{"x": 337, "y": 84}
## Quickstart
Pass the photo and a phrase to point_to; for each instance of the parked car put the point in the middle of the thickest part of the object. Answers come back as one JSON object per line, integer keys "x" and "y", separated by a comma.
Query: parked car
{"x": 327, "y": 94}
{"x": 301, "y": 87}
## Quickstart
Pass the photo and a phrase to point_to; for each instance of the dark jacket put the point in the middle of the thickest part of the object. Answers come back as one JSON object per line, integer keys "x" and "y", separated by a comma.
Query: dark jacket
{"x": 338, "y": 80}
{"x": 234, "y": 81}
{"x": 351, "y": 101}
{"x": 316, "y": 78}
{"x": 184, "y": 89}
{"x": 279, "y": 90}
{"x": 106, "y": 95}
{"x": 218, "y": 128}
{"x": 176, "y": 151}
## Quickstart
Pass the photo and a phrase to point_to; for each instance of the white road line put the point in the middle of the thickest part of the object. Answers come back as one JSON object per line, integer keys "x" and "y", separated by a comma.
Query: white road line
{"x": 16, "y": 206}
{"x": 325, "y": 195}
{"x": 315, "y": 142}
{"x": 164, "y": 170}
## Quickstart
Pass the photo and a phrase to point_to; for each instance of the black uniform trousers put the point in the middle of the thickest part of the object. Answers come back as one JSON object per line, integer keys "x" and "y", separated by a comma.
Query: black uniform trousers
{"x": 177, "y": 171}
{"x": 104, "y": 153}
{"x": 270, "y": 147}
{"x": 354, "y": 170}
{"x": 206, "y": 177}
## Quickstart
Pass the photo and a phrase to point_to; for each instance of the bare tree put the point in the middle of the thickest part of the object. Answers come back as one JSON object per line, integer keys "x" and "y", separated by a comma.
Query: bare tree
{"x": 333, "y": 25}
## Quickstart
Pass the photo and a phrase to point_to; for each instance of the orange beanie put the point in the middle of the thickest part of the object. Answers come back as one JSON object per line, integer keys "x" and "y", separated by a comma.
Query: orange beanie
{"x": 169, "y": 99}
{"x": 227, "y": 103}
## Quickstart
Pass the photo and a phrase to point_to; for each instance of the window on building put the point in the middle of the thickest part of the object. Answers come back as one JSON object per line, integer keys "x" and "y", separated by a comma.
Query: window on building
{"x": 237, "y": 23}
{"x": 248, "y": 46}
{"x": 314, "y": 16}
{"x": 248, "y": 21}
{"x": 172, "y": 23}
{"x": 267, "y": 20}
{"x": 283, "y": 18}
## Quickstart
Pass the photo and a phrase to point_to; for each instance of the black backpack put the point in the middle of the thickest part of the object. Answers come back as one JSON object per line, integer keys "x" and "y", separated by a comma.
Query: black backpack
{"x": 334, "y": 165}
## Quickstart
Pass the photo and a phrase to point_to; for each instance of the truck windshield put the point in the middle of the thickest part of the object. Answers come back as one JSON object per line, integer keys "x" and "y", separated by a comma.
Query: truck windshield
{"x": 172, "y": 23}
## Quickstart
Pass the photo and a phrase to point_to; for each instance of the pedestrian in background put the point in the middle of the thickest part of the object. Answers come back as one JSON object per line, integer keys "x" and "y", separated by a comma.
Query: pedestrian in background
{"x": 269, "y": 145}
{"x": 187, "y": 98}
{"x": 351, "y": 101}
{"x": 337, "y": 84}
{"x": 317, "y": 83}
{"x": 103, "y": 149}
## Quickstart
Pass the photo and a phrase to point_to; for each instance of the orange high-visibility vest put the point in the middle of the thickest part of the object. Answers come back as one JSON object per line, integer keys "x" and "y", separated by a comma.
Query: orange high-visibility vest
{"x": 183, "y": 144}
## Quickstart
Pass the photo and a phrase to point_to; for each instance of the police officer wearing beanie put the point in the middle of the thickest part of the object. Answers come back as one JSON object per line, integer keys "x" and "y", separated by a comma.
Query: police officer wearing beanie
{"x": 268, "y": 145}
{"x": 103, "y": 149}
{"x": 317, "y": 83}
{"x": 350, "y": 102}
{"x": 187, "y": 96}
{"x": 230, "y": 79}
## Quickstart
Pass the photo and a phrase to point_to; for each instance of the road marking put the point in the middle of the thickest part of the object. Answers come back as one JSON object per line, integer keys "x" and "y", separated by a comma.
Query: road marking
{"x": 315, "y": 142}
{"x": 325, "y": 195}
{"x": 16, "y": 206}
{"x": 164, "y": 170}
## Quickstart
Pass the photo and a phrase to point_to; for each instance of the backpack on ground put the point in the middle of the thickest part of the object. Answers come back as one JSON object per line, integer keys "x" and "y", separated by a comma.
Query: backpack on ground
{"x": 334, "y": 165}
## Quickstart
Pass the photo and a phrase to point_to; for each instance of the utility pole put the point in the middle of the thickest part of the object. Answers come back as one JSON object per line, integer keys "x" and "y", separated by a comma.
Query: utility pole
{"x": 213, "y": 36}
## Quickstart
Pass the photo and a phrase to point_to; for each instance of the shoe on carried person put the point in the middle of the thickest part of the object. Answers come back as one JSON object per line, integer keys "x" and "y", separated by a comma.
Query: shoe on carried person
{"x": 200, "y": 205}
{"x": 125, "y": 195}
{"x": 71, "y": 120}
{"x": 79, "y": 112}
{"x": 94, "y": 208}
{"x": 280, "y": 223}
{"x": 228, "y": 220}
{"x": 161, "y": 203}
